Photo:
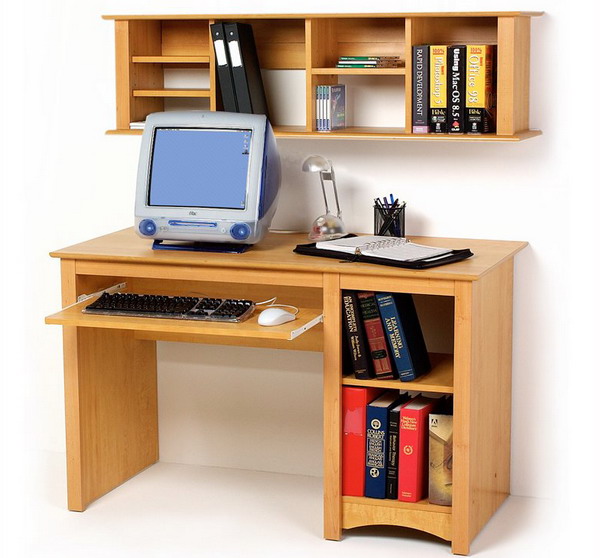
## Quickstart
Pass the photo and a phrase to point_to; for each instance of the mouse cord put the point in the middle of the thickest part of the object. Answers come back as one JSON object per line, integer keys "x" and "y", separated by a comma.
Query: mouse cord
{"x": 270, "y": 303}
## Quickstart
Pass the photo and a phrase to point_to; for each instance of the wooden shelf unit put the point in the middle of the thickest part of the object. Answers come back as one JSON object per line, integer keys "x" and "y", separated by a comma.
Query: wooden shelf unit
{"x": 110, "y": 362}
{"x": 147, "y": 45}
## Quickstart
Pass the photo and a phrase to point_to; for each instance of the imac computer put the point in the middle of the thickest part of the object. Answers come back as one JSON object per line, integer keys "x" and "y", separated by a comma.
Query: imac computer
{"x": 207, "y": 177}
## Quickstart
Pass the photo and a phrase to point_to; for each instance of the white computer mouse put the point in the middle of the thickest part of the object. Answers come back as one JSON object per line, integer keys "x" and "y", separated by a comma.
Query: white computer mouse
{"x": 275, "y": 316}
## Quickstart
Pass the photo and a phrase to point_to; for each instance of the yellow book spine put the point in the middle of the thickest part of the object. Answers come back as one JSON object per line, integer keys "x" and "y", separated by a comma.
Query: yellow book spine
{"x": 438, "y": 61}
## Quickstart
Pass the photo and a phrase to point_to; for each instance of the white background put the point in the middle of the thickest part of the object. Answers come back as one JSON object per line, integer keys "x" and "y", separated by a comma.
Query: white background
{"x": 65, "y": 181}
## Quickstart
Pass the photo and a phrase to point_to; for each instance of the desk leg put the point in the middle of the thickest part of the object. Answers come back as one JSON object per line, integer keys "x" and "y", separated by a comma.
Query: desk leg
{"x": 111, "y": 410}
{"x": 332, "y": 392}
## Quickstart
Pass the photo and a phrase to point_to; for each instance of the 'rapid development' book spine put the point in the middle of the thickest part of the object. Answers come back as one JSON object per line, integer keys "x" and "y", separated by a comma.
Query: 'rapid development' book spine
{"x": 377, "y": 441}
{"x": 438, "y": 85}
{"x": 382, "y": 365}
{"x": 456, "y": 88}
{"x": 354, "y": 424}
{"x": 355, "y": 337}
{"x": 420, "y": 80}
{"x": 413, "y": 464}
{"x": 481, "y": 94}
{"x": 404, "y": 334}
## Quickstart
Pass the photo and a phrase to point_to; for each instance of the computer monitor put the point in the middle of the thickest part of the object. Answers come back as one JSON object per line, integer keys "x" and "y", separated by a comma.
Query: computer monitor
{"x": 207, "y": 177}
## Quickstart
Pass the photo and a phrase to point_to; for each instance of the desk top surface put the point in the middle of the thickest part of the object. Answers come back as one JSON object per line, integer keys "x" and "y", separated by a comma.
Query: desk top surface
{"x": 275, "y": 253}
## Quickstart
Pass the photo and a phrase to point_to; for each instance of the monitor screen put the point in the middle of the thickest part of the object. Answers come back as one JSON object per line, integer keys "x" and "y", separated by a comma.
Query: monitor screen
{"x": 195, "y": 167}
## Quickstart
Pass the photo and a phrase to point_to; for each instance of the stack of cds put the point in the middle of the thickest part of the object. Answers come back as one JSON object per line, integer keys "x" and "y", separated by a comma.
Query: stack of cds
{"x": 370, "y": 62}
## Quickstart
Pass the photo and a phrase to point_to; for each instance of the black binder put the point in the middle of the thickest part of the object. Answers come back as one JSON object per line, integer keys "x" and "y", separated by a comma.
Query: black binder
{"x": 247, "y": 79}
{"x": 223, "y": 68}
{"x": 451, "y": 257}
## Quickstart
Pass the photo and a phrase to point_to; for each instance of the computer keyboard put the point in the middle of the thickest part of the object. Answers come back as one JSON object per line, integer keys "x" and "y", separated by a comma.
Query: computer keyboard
{"x": 177, "y": 307}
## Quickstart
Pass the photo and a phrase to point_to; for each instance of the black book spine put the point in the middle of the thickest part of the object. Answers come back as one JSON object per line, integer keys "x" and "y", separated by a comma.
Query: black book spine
{"x": 356, "y": 341}
{"x": 245, "y": 66}
{"x": 415, "y": 341}
{"x": 420, "y": 99}
{"x": 456, "y": 88}
{"x": 223, "y": 67}
{"x": 391, "y": 481}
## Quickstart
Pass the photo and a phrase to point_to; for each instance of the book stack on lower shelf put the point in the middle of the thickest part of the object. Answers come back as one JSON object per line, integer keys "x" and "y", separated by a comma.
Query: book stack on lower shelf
{"x": 330, "y": 107}
{"x": 396, "y": 446}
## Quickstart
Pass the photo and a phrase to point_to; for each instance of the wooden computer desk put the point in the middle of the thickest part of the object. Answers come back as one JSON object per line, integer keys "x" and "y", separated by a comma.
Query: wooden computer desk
{"x": 110, "y": 362}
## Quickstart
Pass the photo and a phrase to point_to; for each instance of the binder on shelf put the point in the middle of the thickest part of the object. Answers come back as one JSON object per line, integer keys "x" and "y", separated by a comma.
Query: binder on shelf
{"x": 245, "y": 68}
{"x": 223, "y": 68}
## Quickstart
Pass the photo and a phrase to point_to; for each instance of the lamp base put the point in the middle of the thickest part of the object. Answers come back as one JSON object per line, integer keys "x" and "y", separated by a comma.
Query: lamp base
{"x": 327, "y": 227}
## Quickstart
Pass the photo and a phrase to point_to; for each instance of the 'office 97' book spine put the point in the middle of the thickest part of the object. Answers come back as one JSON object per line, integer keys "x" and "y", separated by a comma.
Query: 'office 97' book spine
{"x": 438, "y": 106}
{"x": 382, "y": 365}
{"x": 420, "y": 84}
{"x": 456, "y": 89}
{"x": 481, "y": 95}
{"x": 356, "y": 340}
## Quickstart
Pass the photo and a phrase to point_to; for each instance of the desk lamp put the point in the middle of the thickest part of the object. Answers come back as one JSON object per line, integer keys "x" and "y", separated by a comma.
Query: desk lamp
{"x": 327, "y": 226}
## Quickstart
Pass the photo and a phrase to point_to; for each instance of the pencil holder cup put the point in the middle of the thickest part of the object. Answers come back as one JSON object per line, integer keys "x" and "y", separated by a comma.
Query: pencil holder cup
{"x": 388, "y": 221}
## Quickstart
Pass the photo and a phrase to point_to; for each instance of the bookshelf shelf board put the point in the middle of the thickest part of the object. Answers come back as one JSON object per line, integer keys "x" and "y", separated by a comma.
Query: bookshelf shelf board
{"x": 422, "y": 515}
{"x": 439, "y": 380}
{"x": 359, "y": 71}
{"x": 170, "y": 59}
{"x": 73, "y": 316}
{"x": 171, "y": 93}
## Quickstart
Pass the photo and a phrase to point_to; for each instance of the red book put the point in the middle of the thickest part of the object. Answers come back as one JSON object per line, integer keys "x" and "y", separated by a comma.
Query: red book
{"x": 354, "y": 423}
{"x": 414, "y": 449}
{"x": 376, "y": 338}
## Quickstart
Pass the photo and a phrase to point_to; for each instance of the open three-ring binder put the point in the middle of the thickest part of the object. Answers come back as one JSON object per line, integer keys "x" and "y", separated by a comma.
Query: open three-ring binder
{"x": 384, "y": 250}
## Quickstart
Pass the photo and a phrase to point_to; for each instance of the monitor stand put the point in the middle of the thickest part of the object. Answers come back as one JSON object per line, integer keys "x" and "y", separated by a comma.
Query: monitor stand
{"x": 229, "y": 248}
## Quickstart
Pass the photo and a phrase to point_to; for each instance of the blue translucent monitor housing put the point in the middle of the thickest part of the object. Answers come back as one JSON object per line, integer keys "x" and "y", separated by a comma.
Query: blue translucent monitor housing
{"x": 207, "y": 177}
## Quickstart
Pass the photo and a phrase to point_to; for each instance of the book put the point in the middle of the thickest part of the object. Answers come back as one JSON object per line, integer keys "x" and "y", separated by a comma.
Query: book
{"x": 480, "y": 98}
{"x": 355, "y": 337}
{"x": 404, "y": 335}
{"x": 354, "y": 445}
{"x": 414, "y": 449}
{"x": 378, "y": 350}
{"x": 456, "y": 88}
{"x": 245, "y": 69}
{"x": 376, "y": 437}
{"x": 420, "y": 93}
{"x": 440, "y": 459}
{"x": 369, "y": 58}
{"x": 224, "y": 74}
{"x": 399, "y": 249}
{"x": 391, "y": 478}
{"x": 438, "y": 99}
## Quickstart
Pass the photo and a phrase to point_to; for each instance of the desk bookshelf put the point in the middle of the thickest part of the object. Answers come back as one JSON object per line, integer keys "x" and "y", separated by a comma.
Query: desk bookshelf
{"x": 110, "y": 363}
{"x": 147, "y": 46}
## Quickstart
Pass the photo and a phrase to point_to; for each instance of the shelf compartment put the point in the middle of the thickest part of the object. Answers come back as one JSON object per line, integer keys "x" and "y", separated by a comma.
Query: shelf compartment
{"x": 199, "y": 93}
{"x": 439, "y": 380}
{"x": 359, "y": 512}
{"x": 306, "y": 319}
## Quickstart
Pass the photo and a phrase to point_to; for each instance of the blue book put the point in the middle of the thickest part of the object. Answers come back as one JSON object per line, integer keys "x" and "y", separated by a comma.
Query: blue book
{"x": 403, "y": 332}
{"x": 376, "y": 465}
